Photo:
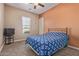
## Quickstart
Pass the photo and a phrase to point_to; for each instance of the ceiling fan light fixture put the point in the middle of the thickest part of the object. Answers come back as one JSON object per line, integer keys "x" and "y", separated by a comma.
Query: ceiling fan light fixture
{"x": 36, "y": 5}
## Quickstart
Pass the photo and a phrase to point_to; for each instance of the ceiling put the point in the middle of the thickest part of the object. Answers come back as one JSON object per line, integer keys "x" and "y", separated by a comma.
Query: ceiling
{"x": 30, "y": 7}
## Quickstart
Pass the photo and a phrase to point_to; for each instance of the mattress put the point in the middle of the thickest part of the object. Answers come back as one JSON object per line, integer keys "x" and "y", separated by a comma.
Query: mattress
{"x": 48, "y": 43}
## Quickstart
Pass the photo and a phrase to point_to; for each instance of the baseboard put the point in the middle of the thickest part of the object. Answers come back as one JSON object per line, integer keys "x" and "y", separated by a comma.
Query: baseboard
{"x": 73, "y": 47}
{"x": 19, "y": 40}
{"x": 1, "y": 47}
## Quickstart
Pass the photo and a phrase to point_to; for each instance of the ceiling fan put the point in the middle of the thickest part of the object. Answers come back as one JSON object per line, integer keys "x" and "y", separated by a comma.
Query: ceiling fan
{"x": 37, "y": 4}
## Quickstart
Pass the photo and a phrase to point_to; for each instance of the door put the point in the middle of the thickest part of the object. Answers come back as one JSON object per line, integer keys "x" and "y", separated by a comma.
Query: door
{"x": 41, "y": 25}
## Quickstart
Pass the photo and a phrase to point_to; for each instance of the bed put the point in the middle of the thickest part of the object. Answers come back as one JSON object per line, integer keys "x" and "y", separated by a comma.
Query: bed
{"x": 48, "y": 43}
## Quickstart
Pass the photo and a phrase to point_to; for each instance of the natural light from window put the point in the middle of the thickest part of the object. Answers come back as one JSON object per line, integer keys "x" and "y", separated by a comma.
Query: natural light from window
{"x": 26, "y": 22}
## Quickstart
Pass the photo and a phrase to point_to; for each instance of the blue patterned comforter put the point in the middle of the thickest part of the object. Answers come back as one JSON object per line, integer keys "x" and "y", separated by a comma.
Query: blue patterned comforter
{"x": 48, "y": 43}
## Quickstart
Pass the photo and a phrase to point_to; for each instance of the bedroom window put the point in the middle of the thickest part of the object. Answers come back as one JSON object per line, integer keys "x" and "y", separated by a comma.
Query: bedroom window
{"x": 26, "y": 22}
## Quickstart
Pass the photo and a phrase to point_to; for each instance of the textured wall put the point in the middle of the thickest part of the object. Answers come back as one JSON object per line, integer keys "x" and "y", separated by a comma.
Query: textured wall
{"x": 64, "y": 15}
{"x": 13, "y": 19}
{"x": 1, "y": 23}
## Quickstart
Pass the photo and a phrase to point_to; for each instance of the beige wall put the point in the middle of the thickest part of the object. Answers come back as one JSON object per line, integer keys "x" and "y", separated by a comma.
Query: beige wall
{"x": 1, "y": 23}
{"x": 64, "y": 15}
{"x": 13, "y": 19}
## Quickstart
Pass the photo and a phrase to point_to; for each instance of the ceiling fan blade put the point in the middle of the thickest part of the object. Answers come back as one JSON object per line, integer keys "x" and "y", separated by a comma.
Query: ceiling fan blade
{"x": 35, "y": 7}
{"x": 41, "y": 4}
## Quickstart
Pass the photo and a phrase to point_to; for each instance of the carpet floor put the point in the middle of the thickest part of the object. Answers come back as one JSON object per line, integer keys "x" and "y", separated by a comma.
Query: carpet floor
{"x": 19, "y": 49}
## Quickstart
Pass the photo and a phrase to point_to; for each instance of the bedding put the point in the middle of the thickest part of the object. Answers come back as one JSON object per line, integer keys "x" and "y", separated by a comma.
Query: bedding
{"x": 48, "y": 43}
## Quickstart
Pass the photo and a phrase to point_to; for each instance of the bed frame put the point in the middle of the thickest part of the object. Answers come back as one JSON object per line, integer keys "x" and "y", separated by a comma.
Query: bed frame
{"x": 65, "y": 30}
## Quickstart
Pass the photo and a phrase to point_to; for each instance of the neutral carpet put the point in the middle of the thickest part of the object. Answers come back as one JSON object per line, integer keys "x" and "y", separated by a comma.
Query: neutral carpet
{"x": 19, "y": 49}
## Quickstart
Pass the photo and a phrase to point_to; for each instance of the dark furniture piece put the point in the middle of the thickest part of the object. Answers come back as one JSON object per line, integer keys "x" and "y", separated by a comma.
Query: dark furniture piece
{"x": 9, "y": 35}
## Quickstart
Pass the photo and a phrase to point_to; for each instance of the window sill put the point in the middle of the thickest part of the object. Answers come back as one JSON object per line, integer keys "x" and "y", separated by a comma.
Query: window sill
{"x": 26, "y": 32}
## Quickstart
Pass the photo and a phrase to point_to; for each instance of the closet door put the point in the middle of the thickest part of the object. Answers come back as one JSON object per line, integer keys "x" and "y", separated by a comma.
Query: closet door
{"x": 41, "y": 25}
